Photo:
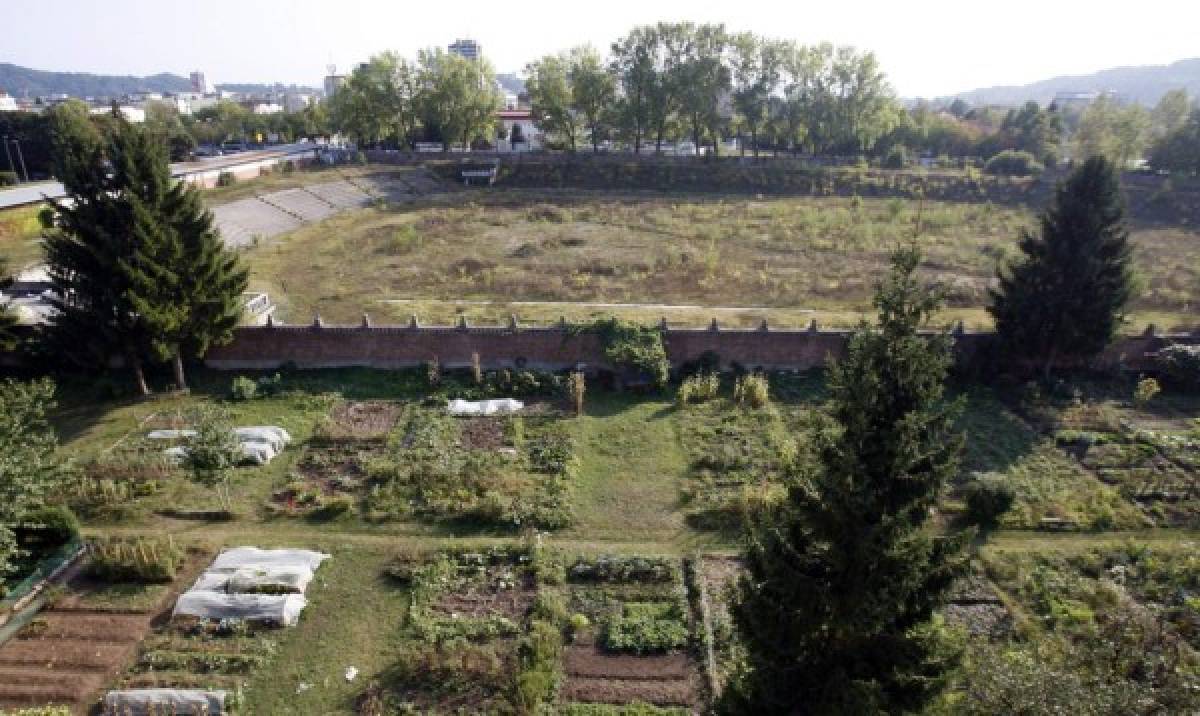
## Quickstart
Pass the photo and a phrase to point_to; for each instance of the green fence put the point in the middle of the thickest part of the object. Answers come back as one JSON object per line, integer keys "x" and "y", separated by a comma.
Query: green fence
{"x": 44, "y": 568}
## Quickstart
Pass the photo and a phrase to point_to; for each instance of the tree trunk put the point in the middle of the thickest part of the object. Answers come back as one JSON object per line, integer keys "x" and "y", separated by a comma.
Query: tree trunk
{"x": 1047, "y": 371}
{"x": 754, "y": 139}
{"x": 139, "y": 376}
{"x": 177, "y": 363}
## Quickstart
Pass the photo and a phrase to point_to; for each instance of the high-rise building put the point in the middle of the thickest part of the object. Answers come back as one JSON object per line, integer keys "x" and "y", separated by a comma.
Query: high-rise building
{"x": 198, "y": 82}
{"x": 333, "y": 81}
{"x": 469, "y": 49}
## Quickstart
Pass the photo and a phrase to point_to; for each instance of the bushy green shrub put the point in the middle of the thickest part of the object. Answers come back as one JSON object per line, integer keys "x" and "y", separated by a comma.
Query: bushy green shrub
{"x": 897, "y": 158}
{"x": 646, "y": 628}
{"x": 622, "y": 569}
{"x": 988, "y": 498}
{"x": 1180, "y": 366}
{"x": 634, "y": 348}
{"x": 242, "y": 389}
{"x": 1013, "y": 163}
{"x": 48, "y": 526}
{"x": 698, "y": 388}
{"x": 147, "y": 560}
{"x": 226, "y": 179}
{"x": 8, "y": 178}
{"x": 331, "y": 507}
{"x": 752, "y": 391}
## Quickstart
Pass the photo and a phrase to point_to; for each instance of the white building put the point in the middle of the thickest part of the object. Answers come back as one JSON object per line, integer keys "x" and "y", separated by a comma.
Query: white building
{"x": 296, "y": 101}
{"x": 267, "y": 108}
{"x": 136, "y": 115}
{"x": 8, "y": 103}
{"x": 522, "y": 118}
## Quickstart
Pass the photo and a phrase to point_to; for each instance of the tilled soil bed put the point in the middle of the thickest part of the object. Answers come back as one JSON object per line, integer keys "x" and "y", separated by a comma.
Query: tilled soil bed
{"x": 363, "y": 420}
{"x": 621, "y": 691}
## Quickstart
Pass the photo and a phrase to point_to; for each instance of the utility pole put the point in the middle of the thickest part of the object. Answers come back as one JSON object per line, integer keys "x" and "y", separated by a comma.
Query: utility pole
{"x": 21, "y": 157}
{"x": 11, "y": 166}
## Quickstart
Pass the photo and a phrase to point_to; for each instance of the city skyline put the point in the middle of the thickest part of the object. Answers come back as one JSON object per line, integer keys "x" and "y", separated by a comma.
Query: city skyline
{"x": 292, "y": 42}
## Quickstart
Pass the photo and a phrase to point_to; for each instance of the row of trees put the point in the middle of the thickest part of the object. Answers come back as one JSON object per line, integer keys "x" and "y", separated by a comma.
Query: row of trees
{"x": 138, "y": 268}
{"x": 442, "y": 97}
{"x": 843, "y": 578}
{"x": 672, "y": 80}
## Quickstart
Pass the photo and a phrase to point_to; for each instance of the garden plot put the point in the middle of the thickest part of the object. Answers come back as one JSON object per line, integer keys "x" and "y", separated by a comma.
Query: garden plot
{"x": 496, "y": 471}
{"x": 737, "y": 456}
{"x": 1157, "y": 471}
{"x": 332, "y": 471}
{"x": 715, "y": 579}
{"x": 91, "y": 631}
{"x": 974, "y": 605}
{"x": 465, "y": 635}
{"x": 632, "y": 633}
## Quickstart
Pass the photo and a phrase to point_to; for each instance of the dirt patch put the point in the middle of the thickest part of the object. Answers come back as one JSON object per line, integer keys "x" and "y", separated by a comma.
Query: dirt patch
{"x": 484, "y": 601}
{"x": 589, "y": 662}
{"x": 70, "y": 652}
{"x": 363, "y": 420}
{"x": 482, "y": 433}
{"x": 620, "y": 691}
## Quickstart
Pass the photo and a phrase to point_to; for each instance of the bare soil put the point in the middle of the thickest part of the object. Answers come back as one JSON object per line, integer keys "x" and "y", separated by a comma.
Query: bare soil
{"x": 484, "y": 433}
{"x": 589, "y": 662}
{"x": 69, "y": 652}
{"x": 372, "y": 419}
{"x": 620, "y": 691}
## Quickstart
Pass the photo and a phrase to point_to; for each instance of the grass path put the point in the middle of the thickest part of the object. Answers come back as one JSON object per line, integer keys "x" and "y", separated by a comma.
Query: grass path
{"x": 630, "y": 472}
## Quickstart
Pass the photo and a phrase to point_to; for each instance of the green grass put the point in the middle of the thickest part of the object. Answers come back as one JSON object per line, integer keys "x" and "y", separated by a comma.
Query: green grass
{"x": 20, "y": 237}
{"x": 353, "y": 619}
{"x": 631, "y": 468}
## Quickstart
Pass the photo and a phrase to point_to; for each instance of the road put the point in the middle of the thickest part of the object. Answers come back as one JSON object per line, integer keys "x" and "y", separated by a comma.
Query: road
{"x": 33, "y": 193}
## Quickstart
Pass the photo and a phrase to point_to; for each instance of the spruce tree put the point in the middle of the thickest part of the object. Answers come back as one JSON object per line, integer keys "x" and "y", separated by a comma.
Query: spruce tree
{"x": 1064, "y": 299}
{"x": 137, "y": 264}
{"x": 842, "y": 579}
{"x": 94, "y": 248}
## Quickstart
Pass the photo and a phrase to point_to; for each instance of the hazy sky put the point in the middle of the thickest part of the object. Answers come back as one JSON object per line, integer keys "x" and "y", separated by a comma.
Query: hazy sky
{"x": 927, "y": 47}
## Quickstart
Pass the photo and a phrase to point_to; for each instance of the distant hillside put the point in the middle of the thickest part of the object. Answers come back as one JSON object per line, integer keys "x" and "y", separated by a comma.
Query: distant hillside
{"x": 21, "y": 81}
{"x": 1138, "y": 84}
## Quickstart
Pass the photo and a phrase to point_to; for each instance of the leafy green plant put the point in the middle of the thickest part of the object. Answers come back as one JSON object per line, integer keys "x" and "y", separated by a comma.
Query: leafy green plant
{"x": 634, "y": 348}
{"x": 646, "y": 628}
{"x": 1146, "y": 390}
{"x": 243, "y": 389}
{"x": 988, "y": 498}
{"x": 752, "y": 390}
{"x": 698, "y": 388}
{"x": 1013, "y": 163}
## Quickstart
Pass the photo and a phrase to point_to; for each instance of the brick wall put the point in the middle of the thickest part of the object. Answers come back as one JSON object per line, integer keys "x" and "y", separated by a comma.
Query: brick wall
{"x": 266, "y": 347}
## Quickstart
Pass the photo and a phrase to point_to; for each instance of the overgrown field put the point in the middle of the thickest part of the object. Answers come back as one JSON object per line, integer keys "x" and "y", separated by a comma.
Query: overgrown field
{"x": 541, "y": 254}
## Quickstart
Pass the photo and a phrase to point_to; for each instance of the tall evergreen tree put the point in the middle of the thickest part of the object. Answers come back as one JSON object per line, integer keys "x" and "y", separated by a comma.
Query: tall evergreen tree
{"x": 1064, "y": 299}
{"x": 843, "y": 578}
{"x": 93, "y": 248}
{"x": 137, "y": 265}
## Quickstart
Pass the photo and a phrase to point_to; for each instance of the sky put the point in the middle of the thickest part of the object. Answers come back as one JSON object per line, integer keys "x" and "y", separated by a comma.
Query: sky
{"x": 928, "y": 48}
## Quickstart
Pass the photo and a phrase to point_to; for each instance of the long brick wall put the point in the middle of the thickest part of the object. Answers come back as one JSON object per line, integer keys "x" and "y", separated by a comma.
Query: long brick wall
{"x": 557, "y": 348}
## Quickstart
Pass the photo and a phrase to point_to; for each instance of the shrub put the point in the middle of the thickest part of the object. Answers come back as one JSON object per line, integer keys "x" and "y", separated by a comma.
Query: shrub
{"x": 651, "y": 628}
{"x": 146, "y": 560}
{"x": 226, "y": 179}
{"x": 752, "y": 391}
{"x": 897, "y": 157}
{"x": 1145, "y": 391}
{"x": 8, "y": 178}
{"x": 988, "y": 498}
{"x": 1014, "y": 164}
{"x": 698, "y": 388}
{"x": 242, "y": 389}
{"x": 634, "y": 348}
{"x": 49, "y": 526}
{"x": 622, "y": 569}
{"x": 1180, "y": 366}
{"x": 331, "y": 507}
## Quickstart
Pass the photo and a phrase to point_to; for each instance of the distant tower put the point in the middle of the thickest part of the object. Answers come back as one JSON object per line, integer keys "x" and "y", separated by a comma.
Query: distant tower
{"x": 198, "y": 82}
{"x": 332, "y": 81}
{"x": 469, "y": 49}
